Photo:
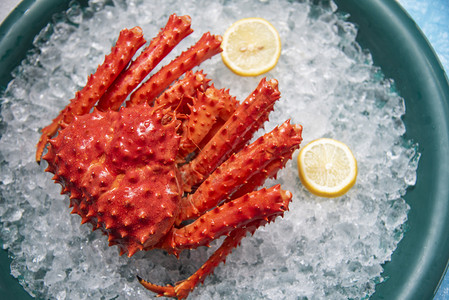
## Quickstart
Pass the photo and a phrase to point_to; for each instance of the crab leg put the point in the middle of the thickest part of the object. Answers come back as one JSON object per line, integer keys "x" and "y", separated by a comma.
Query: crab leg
{"x": 176, "y": 29}
{"x": 186, "y": 87}
{"x": 129, "y": 41}
{"x": 209, "y": 110}
{"x": 183, "y": 288}
{"x": 245, "y": 170}
{"x": 205, "y": 48}
{"x": 234, "y": 219}
{"x": 234, "y": 134}
{"x": 223, "y": 219}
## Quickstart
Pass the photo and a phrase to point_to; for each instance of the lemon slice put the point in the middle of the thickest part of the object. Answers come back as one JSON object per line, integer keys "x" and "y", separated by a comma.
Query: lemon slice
{"x": 251, "y": 47}
{"x": 327, "y": 167}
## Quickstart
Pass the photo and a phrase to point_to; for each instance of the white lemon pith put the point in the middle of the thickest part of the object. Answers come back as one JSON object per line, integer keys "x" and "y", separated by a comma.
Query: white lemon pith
{"x": 327, "y": 167}
{"x": 251, "y": 47}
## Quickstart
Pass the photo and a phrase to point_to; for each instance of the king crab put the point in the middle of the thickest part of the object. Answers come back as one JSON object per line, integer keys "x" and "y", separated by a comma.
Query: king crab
{"x": 171, "y": 154}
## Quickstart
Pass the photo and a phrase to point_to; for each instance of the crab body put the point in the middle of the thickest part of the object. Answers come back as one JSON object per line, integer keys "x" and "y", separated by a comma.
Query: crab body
{"x": 119, "y": 168}
{"x": 171, "y": 154}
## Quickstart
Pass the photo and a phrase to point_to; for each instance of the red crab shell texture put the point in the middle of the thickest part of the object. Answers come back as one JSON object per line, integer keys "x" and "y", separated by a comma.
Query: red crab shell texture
{"x": 119, "y": 168}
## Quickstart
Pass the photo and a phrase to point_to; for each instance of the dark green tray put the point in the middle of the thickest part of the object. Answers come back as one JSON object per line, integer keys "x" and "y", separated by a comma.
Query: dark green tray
{"x": 404, "y": 54}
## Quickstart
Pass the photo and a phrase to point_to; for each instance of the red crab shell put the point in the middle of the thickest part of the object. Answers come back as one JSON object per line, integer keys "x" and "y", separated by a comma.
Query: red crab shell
{"x": 119, "y": 168}
{"x": 173, "y": 153}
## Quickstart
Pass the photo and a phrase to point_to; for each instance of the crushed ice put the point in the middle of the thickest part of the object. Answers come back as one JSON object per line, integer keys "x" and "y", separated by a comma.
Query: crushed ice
{"x": 320, "y": 249}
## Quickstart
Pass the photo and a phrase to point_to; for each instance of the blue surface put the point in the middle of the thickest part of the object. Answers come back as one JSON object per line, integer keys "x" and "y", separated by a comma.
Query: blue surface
{"x": 432, "y": 17}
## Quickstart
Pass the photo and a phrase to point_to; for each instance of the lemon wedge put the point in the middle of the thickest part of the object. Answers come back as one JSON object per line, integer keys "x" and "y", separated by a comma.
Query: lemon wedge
{"x": 327, "y": 167}
{"x": 251, "y": 47}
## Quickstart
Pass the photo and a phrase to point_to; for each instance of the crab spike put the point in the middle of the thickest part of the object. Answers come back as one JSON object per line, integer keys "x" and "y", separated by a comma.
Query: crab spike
{"x": 205, "y": 48}
{"x": 123, "y": 233}
{"x": 75, "y": 210}
{"x": 247, "y": 170}
{"x": 132, "y": 249}
{"x": 234, "y": 134}
{"x": 176, "y": 29}
{"x": 128, "y": 43}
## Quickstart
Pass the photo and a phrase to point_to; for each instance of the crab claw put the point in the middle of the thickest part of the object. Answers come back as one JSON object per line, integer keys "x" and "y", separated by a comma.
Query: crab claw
{"x": 161, "y": 291}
